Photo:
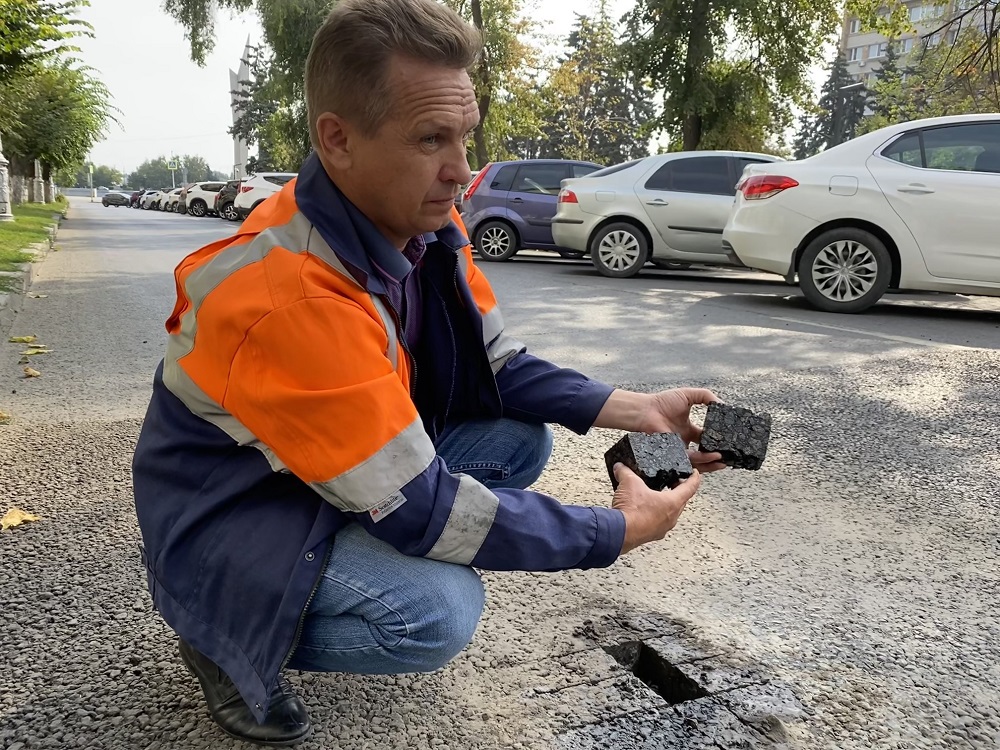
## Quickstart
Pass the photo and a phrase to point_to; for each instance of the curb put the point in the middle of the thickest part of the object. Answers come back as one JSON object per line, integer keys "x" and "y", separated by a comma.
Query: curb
{"x": 12, "y": 302}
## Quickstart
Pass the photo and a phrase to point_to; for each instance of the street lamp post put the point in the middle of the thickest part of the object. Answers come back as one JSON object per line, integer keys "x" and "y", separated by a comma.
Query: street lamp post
{"x": 5, "y": 214}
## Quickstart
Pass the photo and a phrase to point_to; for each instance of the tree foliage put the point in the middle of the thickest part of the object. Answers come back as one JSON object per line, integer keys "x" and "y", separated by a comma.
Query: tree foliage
{"x": 703, "y": 55}
{"x": 33, "y": 31}
{"x": 153, "y": 173}
{"x": 54, "y": 112}
{"x": 593, "y": 107}
{"x": 835, "y": 117}
{"x": 936, "y": 81}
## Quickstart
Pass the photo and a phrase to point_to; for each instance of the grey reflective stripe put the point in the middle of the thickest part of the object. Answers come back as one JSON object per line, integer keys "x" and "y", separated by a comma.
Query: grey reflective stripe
{"x": 198, "y": 402}
{"x": 499, "y": 346}
{"x": 395, "y": 465}
{"x": 316, "y": 245}
{"x": 470, "y": 521}
{"x": 463, "y": 263}
{"x": 197, "y": 287}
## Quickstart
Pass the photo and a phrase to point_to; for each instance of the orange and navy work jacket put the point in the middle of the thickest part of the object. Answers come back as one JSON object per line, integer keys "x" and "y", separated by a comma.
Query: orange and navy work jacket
{"x": 288, "y": 405}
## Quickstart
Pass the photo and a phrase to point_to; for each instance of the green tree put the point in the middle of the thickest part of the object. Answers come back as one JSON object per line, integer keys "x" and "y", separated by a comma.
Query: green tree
{"x": 33, "y": 31}
{"x": 773, "y": 42}
{"x": 837, "y": 114}
{"x": 595, "y": 108}
{"x": 55, "y": 112}
{"x": 154, "y": 172}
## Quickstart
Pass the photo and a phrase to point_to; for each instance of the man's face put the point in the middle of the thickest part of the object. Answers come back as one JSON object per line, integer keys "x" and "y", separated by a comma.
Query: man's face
{"x": 406, "y": 176}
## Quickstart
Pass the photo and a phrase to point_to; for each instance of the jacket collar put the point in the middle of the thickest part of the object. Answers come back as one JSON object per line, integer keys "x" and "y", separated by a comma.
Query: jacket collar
{"x": 351, "y": 234}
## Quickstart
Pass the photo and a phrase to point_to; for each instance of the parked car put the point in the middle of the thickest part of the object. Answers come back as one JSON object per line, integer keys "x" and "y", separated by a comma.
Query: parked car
{"x": 169, "y": 200}
{"x": 198, "y": 198}
{"x": 510, "y": 205}
{"x": 116, "y": 199}
{"x": 908, "y": 207}
{"x": 151, "y": 199}
{"x": 134, "y": 198}
{"x": 258, "y": 188}
{"x": 458, "y": 198}
{"x": 669, "y": 209}
{"x": 224, "y": 200}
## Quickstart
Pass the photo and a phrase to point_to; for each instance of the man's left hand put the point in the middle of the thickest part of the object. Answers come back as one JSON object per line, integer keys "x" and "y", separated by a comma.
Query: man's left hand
{"x": 670, "y": 411}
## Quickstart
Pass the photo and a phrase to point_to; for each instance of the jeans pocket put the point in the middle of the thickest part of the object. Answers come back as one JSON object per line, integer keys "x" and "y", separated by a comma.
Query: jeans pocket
{"x": 482, "y": 471}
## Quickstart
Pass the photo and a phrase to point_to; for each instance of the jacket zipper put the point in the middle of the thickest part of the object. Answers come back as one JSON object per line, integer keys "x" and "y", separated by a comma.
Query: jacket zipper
{"x": 401, "y": 337}
{"x": 305, "y": 610}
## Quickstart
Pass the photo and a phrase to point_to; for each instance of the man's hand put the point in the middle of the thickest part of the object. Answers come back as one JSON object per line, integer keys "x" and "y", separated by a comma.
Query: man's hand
{"x": 649, "y": 514}
{"x": 670, "y": 411}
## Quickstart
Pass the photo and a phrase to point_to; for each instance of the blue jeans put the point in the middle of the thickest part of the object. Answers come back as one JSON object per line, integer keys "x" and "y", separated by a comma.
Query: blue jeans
{"x": 377, "y": 611}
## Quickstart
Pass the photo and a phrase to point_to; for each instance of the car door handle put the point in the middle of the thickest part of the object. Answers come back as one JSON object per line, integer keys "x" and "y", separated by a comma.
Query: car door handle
{"x": 915, "y": 188}
{"x": 517, "y": 200}
{"x": 658, "y": 202}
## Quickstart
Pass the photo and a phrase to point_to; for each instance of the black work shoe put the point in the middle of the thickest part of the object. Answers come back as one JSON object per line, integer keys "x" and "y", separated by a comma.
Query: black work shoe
{"x": 286, "y": 723}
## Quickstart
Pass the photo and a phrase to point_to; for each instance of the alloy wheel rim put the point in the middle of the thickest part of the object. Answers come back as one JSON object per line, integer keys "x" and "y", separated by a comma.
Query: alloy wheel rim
{"x": 844, "y": 271}
{"x": 619, "y": 250}
{"x": 495, "y": 242}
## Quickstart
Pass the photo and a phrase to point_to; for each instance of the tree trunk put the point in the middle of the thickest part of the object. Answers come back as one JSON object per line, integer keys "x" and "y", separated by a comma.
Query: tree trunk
{"x": 699, "y": 54}
{"x": 485, "y": 89}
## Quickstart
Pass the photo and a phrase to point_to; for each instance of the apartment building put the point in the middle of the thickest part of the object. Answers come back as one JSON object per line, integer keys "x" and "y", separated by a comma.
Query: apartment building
{"x": 864, "y": 49}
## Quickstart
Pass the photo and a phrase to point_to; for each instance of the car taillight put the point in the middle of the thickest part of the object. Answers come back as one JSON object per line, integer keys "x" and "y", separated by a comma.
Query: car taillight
{"x": 761, "y": 186}
{"x": 246, "y": 188}
{"x": 474, "y": 185}
{"x": 567, "y": 196}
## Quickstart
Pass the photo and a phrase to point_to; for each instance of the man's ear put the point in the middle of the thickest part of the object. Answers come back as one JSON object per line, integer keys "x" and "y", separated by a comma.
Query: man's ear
{"x": 336, "y": 140}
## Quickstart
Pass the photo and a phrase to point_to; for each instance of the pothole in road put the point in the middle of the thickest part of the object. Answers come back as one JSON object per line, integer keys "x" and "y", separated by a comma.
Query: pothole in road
{"x": 658, "y": 674}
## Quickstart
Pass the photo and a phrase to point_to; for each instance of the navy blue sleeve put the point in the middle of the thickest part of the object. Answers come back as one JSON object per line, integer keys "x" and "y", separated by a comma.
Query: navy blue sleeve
{"x": 534, "y": 390}
{"x": 529, "y": 530}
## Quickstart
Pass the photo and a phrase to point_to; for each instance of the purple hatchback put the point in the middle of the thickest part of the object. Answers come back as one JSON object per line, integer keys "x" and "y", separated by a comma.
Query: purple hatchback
{"x": 510, "y": 205}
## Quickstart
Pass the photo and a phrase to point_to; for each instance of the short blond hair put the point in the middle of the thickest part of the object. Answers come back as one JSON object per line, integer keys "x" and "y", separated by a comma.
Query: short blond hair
{"x": 347, "y": 71}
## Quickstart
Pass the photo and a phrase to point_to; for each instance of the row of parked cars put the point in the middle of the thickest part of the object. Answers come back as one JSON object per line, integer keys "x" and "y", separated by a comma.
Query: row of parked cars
{"x": 233, "y": 200}
{"x": 908, "y": 207}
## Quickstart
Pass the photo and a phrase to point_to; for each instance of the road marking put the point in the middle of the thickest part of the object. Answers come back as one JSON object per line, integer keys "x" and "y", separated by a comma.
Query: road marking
{"x": 886, "y": 336}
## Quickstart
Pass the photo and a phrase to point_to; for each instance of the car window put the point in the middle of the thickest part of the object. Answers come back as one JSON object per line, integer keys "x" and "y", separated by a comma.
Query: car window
{"x": 974, "y": 147}
{"x": 504, "y": 178}
{"x": 541, "y": 179}
{"x": 698, "y": 174}
{"x": 616, "y": 168}
{"x": 905, "y": 150}
{"x": 582, "y": 170}
{"x": 279, "y": 179}
{"x": 212, "y": 187}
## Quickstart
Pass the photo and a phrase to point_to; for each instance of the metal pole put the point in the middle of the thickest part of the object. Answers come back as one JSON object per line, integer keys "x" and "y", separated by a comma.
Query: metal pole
{"x": 5, "y": 214}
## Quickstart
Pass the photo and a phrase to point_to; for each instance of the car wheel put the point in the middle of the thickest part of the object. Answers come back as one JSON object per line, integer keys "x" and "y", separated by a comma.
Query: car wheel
{"x": 845, "y": 270}
{"x": 228, "y": 211}
{"x": 495, "y": 241}
{"x": 198, "y": 208}
{"x": 619, "y": 250}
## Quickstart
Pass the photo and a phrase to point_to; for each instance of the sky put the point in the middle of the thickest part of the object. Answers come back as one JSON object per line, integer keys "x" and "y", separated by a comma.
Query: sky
{"x": 168, "y": 104}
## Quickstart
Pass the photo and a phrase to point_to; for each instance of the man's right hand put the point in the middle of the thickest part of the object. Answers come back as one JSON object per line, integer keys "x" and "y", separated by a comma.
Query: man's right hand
{"x": 649, "y": 514}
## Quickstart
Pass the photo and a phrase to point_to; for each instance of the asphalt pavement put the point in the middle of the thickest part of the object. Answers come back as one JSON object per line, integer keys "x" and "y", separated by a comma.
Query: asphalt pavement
{"x": 843, "y": 597}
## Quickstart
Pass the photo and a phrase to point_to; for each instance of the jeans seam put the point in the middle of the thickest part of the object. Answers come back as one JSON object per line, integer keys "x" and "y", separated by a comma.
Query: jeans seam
{"x": 367, "y": 595}
{"x": 503, "y": 468}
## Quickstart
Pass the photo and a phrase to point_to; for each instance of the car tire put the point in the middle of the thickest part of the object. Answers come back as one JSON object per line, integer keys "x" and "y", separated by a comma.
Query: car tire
{"x": 619, "y": 250}
{"x": 198, "y": 208}
{"x": 495, "y": 241}
{"x": 228, "y": 212}
{"x": 845, "y": 270}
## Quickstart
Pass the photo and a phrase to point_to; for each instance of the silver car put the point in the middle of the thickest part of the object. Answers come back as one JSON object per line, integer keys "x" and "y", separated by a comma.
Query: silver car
{"x": 668, "y": 209}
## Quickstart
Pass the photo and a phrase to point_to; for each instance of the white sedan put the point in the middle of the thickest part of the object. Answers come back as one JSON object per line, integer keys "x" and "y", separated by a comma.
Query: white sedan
{"x": 908, "y": 207}
{"x": 669, "y": 209}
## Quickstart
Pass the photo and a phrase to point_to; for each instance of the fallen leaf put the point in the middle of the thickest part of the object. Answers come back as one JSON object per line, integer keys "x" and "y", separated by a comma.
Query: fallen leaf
{"x": 23, "y": 339}
{"x": 5, "y": 418}
{"x": 30, "y": 372}
{"x": 15, "y": 517}
{"x": 33, "y": 352}
{"x": 22, "y": 361}
{"x": 37, "y": 296}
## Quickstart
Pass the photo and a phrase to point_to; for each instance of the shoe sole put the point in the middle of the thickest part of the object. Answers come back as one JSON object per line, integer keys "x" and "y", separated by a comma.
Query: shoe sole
{"x": 264, "y": 743}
